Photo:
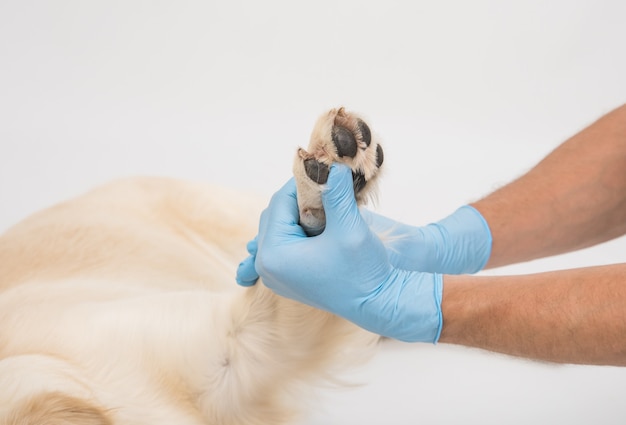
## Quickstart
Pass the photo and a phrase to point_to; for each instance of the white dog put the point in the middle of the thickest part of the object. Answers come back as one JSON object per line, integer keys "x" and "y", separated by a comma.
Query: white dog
{"x": 120, "y": 306}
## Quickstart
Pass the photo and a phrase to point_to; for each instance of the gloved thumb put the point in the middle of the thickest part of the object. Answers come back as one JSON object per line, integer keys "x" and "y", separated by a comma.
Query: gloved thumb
{"x": 338, "y": 198}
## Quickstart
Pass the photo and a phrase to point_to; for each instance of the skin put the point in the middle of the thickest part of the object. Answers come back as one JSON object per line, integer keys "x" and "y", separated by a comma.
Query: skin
{"x": 574, "y": 198}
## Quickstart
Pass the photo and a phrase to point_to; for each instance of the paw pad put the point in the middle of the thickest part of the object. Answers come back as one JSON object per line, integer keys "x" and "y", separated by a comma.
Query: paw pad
{"x": 344, "y": 141}
{"x": 338, "y": 136}
{"x": 316, "y": 171}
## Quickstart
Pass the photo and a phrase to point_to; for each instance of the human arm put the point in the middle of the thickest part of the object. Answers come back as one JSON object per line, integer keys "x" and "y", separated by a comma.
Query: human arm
{"x": 573, "y": 316}
{"x": 568, "y": 316}
{"x": 572, "y": 199}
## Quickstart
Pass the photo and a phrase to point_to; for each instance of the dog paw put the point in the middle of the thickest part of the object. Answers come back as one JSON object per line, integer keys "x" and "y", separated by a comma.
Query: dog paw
{"x": 338, "y": 136}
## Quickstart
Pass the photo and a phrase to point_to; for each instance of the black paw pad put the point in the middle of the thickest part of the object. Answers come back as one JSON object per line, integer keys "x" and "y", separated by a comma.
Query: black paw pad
{"x": 344, "y": 142}
{"x": 317, "y": 171}
{"x": 366, "y": 134}
{"x": 379, "y": 156}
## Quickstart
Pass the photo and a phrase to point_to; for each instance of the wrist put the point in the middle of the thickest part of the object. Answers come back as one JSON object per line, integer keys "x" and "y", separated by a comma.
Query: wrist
{"x": 407, "y": 307}
{"x": 421, "y": 303}
{"x": 465, "y": 239}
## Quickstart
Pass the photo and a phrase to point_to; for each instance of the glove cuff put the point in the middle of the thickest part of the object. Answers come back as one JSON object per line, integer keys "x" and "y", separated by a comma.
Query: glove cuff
{"x": 412, "y": 311}
{"x": 468, "y": 241}
{"x": 422, "y": 302}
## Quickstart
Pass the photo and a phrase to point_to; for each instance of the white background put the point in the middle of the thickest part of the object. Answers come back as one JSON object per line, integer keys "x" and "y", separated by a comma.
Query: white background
{"x": 466, "y": 96}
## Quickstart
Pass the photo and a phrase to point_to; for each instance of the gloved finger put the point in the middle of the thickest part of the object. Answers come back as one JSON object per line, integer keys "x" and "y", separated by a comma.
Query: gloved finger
{"x": 339, "y": 202}
{"x": 252, "y": 246}
{"x": 246, "y": 273}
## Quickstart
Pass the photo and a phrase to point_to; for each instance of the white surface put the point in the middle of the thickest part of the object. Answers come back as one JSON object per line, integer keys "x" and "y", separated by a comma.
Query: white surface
{"x": 466, "y": 96}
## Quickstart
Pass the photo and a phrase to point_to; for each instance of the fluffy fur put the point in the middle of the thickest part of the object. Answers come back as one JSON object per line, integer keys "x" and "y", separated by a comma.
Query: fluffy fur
{"x": 120, "y": 307}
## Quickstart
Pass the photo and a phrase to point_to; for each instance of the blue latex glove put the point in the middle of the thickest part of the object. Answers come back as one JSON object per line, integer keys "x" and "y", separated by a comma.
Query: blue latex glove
{"x": 345, "y": 270}
{"x": 246, "y": 273}
{"x": 460, "y": 243}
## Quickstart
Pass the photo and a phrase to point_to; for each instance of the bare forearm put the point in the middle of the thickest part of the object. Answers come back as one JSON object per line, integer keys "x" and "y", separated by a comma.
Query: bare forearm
{"x": 574, "y": 198}
{"x": 570, "y": 316}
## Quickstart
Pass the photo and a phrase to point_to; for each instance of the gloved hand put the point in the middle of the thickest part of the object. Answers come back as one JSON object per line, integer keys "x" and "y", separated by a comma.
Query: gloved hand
{"x": 345, "y": 270}
{"x": 460, "y": 243}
